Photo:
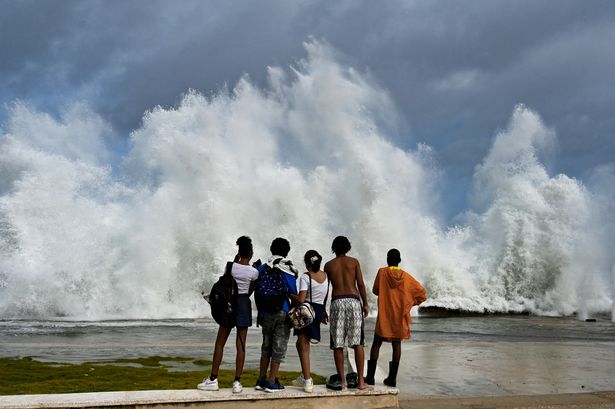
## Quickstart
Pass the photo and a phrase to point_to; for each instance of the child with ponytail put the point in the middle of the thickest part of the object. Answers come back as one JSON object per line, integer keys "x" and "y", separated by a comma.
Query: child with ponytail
{"x": 314, "y": 289}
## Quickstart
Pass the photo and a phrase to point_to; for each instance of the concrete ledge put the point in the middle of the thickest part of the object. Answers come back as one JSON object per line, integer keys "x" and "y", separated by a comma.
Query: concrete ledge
{"x": 289, "y": 398}
{"x": 596, "y": 400}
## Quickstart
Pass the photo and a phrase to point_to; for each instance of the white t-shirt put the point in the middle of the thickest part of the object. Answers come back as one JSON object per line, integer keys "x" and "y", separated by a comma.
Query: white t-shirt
{"x": 319, "y": 290}
{"x": 243, "y": 275}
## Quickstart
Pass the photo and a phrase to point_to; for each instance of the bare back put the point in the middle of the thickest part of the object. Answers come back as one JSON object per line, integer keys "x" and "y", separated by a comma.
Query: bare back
{"x": 346, "y": 278}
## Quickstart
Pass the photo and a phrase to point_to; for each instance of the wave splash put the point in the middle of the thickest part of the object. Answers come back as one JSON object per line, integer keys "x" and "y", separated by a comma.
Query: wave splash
{"x": 308, "y": 157}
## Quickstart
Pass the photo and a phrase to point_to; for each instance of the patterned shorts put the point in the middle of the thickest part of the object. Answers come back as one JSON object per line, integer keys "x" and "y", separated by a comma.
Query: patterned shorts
{"x": 346, "y": 320}
{"x": 276, "y": 331}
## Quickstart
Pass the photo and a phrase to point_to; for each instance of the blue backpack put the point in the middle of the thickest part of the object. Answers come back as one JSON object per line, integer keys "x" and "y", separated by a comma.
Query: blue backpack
{"x": 271, "y": 289}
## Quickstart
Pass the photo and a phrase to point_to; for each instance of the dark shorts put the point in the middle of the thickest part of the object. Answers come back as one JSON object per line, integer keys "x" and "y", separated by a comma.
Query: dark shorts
{"x": 313, "y": 330}
{"x": 244, "y": 311}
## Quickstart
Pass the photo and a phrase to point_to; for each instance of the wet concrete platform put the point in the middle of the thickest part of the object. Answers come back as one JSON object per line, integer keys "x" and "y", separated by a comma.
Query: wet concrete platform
{"x": 294, "y": 399}
{"x": 597, "y": 400}
{"x": 289, "y": 398}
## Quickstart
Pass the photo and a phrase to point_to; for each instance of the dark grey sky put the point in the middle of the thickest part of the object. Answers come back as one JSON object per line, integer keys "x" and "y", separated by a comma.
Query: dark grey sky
{"x": 455, "y": 69}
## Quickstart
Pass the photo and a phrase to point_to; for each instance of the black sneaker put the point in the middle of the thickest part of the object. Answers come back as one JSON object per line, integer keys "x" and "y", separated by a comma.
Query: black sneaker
{"x": 274, "y": 386}
{"x": 352, "y": 380}
{"x": 334, "y": 383}
{"x": 261, "y": 383}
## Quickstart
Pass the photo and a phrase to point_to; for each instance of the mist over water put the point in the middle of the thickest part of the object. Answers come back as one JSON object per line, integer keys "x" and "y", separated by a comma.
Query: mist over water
{"x": 86, "y": 234}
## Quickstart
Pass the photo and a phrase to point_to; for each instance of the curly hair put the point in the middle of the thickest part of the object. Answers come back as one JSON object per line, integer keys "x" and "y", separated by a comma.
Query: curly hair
{"x": 245, "y": 246}
{"x": 280, "y": 247}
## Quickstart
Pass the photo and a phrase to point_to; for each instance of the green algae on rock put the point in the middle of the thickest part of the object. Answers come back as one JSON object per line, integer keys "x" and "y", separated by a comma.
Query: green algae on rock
{"x": 20, "y": 376}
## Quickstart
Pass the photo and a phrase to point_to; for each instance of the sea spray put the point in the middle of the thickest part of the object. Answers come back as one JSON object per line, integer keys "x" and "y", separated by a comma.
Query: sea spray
{"x": 307, "y": 158}
{"x": 525, "y": 228}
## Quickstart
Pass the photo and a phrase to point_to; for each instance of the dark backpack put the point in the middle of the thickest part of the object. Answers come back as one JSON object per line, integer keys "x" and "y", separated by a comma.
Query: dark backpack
{"x": 271, "y": 289}
{"x": 223, "y": 298}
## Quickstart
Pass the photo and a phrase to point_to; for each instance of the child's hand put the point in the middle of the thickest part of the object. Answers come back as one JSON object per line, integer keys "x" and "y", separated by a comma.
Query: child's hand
{"x": 365, "y": 311}
{"x": 325, "y": 318}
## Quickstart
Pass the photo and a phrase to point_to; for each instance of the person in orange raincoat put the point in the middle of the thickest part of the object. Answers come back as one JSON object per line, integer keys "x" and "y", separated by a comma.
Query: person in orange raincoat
{"x": 397, "y": 293}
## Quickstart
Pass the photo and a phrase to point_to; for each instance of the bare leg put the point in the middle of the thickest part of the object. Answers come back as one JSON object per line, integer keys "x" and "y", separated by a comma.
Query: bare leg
{"x": 303, "y": 349}
{"x": 263, "y": 366}
{"x": 275, "y": 366}
{"x": 240, "y": 343}
{"x": 338, "y": 356}
{"x": 374, "y": 353}
{"x": 359, "y": 357}
{"x": 221, "y": 338}
{"x": 396, "y": 351}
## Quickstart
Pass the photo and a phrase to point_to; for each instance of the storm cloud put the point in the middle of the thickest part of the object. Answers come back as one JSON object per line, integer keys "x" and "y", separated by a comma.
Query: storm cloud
{"x": 454, "y": 70}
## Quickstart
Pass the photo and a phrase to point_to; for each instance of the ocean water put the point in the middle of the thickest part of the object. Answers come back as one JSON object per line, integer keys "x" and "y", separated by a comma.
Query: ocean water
{"x": 466, "y": 356}
{"x": 92, "y": 232}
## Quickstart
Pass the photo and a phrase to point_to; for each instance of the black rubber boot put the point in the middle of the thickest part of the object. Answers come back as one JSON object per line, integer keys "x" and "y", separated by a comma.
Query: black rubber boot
{"x": 391, "y": 380}
{"x": 371, "y": 371}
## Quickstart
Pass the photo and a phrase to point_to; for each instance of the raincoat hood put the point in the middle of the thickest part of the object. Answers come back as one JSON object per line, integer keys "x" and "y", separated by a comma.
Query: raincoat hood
{"x": 395, "y": 277}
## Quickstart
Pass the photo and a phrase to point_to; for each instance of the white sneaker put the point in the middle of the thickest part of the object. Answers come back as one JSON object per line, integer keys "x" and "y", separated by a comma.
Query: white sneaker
{"x": 208, "y": 385}
{"x": 299, "y": 381}
{"x": 237, "y": 388}
{"x": 308, "y": 385}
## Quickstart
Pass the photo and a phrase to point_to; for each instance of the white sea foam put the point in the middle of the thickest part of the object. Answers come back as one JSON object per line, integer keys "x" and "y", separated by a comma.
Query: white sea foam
{"x": 308, "y": 158}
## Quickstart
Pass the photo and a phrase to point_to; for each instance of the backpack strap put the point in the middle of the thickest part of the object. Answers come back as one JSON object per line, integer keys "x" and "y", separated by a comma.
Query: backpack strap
{"x": 228, "y": 268}
{"x": 228, "y": 272}
{"x": 310, "y": 276}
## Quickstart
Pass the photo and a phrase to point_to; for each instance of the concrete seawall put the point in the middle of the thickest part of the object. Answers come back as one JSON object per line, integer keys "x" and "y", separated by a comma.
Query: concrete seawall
{"x": 290, "y": 398}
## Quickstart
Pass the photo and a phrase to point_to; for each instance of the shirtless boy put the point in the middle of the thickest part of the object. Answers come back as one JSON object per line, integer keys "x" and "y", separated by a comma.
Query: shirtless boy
{"x": 348, "y": 309}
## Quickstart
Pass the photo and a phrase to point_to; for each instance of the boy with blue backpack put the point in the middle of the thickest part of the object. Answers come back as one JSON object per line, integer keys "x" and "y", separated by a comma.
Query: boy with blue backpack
{"x": 275, "y": 287}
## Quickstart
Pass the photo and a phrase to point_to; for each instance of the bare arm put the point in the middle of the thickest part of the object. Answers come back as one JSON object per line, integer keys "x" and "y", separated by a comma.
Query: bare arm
{"x": 327, "y": 271}
{"x": 295, "y": 298}
{"x": 361, "y": 288}
{"x": 302, "y": 294}
{"x": 325, "y": 316}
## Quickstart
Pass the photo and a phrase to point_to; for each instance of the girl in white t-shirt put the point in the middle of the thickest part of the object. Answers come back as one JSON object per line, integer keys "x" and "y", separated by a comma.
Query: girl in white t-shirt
{"x": 313, "y": 288}
{"x": 245, "y": 275}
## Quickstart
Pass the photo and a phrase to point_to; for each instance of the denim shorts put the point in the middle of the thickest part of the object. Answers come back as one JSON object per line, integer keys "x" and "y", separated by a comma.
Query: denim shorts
{"x": 313, "y": 330}
{"x": 244, "y": 311}
{"x": 276, "y": 331}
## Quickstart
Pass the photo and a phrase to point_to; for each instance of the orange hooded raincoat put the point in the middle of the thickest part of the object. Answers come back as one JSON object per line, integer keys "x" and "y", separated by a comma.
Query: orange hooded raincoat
{"x": 397, "y": 292}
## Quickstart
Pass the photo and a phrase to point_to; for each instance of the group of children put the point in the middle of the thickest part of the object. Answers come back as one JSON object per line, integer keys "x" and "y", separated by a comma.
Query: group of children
{"x": 397, "y": 293}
